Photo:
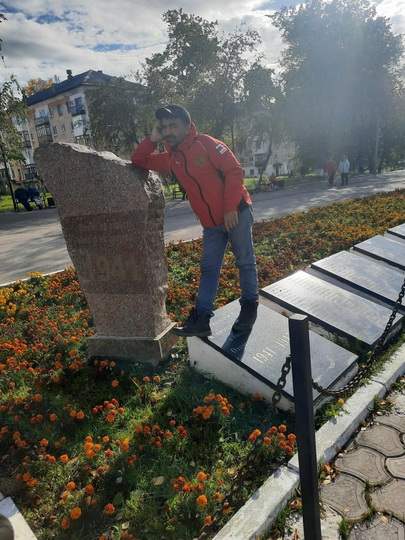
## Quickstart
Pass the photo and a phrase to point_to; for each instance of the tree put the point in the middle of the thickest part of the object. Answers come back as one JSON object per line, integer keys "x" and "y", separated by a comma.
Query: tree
{"x": 36, "y": 85}
{"x": 201, "y": 69}
{"x": 340, "y": 73}
{"x": 12, "y": 109}
{"x": 117, "y": 115}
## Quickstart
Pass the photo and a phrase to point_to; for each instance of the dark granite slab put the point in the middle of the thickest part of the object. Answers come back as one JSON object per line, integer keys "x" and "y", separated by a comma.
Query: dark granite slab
{"x": 398, "y": 231}
{"x": 336, "y": 310}
{"x": 383, "y": 249}
{"x": 370, "y": 279}
{"x": 262, "y": 352}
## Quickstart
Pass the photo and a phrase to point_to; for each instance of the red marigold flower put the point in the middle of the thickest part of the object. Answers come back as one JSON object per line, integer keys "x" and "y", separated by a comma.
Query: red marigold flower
{"x": 75, "y": 513}
{"x": 65, "y": 523}
{"x": 89, "y": 489}
{"x": 109, "y": 508}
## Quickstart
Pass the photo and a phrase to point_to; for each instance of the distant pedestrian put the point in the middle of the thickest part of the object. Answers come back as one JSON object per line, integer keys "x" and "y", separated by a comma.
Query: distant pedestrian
{"x": 34, "y": 196}
{"x": 22, "y": 196}
{"x": 344, "y": 167}
{"x": 331, "y": 168}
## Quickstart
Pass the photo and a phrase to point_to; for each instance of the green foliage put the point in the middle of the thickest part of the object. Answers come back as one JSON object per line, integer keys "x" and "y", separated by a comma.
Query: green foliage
{"x": 341, "y": 71}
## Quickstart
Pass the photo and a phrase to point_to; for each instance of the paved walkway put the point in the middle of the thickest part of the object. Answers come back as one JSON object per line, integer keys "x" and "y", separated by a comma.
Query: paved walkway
{"x": 369, "y": 489}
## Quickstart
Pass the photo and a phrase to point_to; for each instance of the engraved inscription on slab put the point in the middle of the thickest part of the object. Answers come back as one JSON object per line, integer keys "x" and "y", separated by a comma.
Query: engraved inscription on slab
{"x": 262, "y": 352}
{"x": 338, "y": 311}
{"x": 370, "y": 278}
{"x": 383, "y": 249}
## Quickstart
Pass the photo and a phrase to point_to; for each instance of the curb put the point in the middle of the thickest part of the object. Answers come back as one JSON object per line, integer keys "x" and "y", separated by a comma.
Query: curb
{"x": 255, "y": 517}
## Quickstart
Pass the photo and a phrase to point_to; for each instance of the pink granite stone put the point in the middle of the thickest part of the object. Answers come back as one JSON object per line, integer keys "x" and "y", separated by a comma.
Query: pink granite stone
{"x": 112, "y": 217}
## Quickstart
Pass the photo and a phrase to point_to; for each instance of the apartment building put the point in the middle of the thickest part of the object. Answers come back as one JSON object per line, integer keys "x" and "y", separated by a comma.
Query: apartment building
{"x": 282, "y": 160}
{"x": 60, "y": 113}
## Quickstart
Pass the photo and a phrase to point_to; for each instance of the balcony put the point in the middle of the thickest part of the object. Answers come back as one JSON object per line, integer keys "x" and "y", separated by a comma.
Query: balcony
{"x": 80, "y": 125}
{"x": 41, "y": 121}
{"x": 76, "y": 110}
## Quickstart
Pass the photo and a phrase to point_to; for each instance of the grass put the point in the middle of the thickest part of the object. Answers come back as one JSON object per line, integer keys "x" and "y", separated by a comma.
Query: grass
{"x": 92, "y": 451}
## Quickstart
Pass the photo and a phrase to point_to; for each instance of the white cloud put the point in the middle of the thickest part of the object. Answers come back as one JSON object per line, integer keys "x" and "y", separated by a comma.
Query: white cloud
{"x": 42, "y": 38}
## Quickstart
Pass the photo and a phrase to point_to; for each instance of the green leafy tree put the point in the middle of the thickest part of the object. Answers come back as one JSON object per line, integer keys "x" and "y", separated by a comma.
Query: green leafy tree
{"x": 340, "y": 70}
{"x": 117, "y": 112}
{"x": 12, "y": 111}
{"x": 200, "y": 68}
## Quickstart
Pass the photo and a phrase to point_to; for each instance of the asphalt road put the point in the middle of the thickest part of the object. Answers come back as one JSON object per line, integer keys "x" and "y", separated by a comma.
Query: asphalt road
{"x": 34, "y": 242}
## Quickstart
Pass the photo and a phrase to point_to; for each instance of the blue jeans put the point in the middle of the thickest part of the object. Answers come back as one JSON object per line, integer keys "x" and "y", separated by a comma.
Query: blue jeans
{"x": 215, "y": 240}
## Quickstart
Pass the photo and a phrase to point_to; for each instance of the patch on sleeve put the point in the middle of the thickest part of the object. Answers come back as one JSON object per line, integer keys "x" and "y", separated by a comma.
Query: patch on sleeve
{"x": 221, "y": 148}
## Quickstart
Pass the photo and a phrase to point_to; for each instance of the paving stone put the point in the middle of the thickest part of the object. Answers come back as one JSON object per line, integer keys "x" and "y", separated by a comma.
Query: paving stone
{"x": 390, "y": 498}
{"x": 382, "y": 438}
{"x": 365, "y": 463}
{"x": 396, "y": 467}
{"x": 394, "y": 420}
{"x": 378, "y": 529}
{"x": 346, "y": 496}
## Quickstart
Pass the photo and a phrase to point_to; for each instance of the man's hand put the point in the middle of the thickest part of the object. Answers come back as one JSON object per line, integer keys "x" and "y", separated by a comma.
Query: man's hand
{"x": 156, "y": 135}
{"x": 231, "y": 220}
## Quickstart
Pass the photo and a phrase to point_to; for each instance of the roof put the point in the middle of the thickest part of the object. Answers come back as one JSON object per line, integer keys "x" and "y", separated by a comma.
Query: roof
{"x": 88, "y": 78}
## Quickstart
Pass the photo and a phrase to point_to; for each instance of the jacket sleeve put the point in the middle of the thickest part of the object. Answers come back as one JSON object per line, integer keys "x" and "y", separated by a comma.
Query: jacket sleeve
{"x": 225, "y": 161}
{"x": 144, "y": 157}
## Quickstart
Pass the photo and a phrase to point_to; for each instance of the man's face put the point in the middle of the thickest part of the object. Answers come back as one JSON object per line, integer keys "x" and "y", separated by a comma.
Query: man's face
{"x": 174, "y": 131}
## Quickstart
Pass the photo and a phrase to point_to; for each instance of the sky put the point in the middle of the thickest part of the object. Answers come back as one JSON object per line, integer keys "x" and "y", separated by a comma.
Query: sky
{"x": 44, "y": 38}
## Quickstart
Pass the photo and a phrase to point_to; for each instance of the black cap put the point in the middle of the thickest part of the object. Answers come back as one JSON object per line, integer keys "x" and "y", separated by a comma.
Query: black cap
{"x": 177, "y": 111}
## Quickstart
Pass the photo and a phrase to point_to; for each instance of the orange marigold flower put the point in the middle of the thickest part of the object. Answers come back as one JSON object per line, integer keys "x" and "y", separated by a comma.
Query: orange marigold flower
{"x": 156, "y": 379}
{"x": 146, "y": 379}
{"x": 217, "y": 496}
{"x": 97, "y": 447}
{"x": 26, "y": 476}
{"x": 65, "y": 523}
{"x": 105, "y": 439}
{"x": 64, "y": 458}
{"x": 70, "y": 486}
{"x": 80, "y": 415}
{"x": 253, "y": 436}
{"x": 89, "y": 489}
{"x": 266, "y": 441}
{"x": 53, "y": 417}
{"x": 201, "y": 476}
{"x": 110, "y": 418}
{"x": 115, "y": 383}
{"x": 75, "y": 513}
{"x": 202, "y": 500}
{"x": 109, "y": 508}
{"x": 282, "y": 428}
{"x": 32, "y": 482}
{"x": 207, "y": 520}
{"x": 272, "y": 431}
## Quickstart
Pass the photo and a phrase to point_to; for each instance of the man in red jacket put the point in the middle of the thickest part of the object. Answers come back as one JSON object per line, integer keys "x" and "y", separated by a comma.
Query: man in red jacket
{"x": 213, "y": 179}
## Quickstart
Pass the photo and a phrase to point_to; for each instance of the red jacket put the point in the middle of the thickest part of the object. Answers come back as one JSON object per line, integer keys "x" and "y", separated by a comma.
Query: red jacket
{"x": 207, "y": 170}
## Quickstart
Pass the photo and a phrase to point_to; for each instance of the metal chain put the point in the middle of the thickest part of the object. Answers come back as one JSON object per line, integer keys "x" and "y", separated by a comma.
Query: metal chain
{"x": 366, "y": 367}
{"x": 251, "y": 456}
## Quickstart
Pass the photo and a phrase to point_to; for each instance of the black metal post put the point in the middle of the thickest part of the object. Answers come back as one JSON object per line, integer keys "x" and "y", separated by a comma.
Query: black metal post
{"x": 305, "y": 424}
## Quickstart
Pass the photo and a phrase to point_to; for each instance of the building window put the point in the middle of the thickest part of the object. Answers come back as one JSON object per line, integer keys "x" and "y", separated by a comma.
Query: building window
{"x": 32, "y": 136}
{"x": 72, "y": 127}
{"x": 252, "y": 172}
{"x": 50, "y": 112}
{"x": 55, "y": 130}
{"x": 63, "y": 128}
{"x": 60, "y": 112}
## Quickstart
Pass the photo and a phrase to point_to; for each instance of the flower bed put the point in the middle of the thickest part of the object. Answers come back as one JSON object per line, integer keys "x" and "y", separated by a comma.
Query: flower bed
{"x": 92, "y": 451}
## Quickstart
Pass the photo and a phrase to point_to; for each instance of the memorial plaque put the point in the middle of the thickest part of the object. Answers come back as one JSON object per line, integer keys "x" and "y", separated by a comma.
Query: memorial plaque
{"x": 383, "y": 249}
{"x": 251, "y": 361}
{"x": 398, "y": 232}
{"x": 331, "y": 308}
{"x": 112, "y": 217}
{"x": 358, "y": 274}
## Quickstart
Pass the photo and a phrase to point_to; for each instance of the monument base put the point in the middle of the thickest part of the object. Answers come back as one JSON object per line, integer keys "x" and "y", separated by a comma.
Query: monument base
{"x": 136, "y": 349}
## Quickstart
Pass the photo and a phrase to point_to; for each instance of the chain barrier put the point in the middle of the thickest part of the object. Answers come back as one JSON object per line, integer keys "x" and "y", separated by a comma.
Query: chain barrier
{"x": 251, "y": 456}
{"x": 368, "y": 364}
{"x": 237, "y": 484}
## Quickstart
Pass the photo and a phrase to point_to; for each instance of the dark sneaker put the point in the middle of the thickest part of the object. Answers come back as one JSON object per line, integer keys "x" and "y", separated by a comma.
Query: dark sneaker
{"x": 247, "y": 316}
{"x": 195, "y": 325}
